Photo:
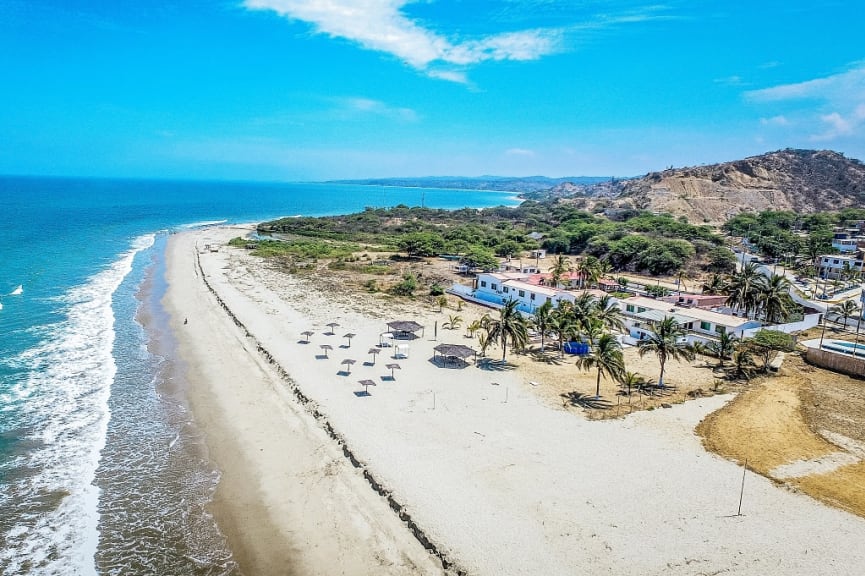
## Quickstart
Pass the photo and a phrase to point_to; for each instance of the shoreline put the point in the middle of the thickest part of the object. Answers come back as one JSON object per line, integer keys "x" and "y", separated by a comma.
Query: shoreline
{"x": 307, "y": 514}
{"x": 494, "y": 489}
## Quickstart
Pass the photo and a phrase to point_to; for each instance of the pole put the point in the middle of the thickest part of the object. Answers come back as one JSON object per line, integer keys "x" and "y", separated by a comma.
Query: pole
{"x": 742, "y": 490}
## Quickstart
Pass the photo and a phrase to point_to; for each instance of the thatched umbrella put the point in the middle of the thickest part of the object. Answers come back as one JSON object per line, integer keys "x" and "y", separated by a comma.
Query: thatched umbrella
{"x": 326, "y": 347}
{"x": 349, "y": 362}
{"x": 393, "y": 367}
{"x": 375, "y": 352}
{"x": 349, "y": 336}
{"x": 307, "y": 334}
{"x": 332, "y": 325}
{"x": 366, "y": 384}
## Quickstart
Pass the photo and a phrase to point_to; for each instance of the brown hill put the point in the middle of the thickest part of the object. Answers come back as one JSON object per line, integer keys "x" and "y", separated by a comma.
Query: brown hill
{"x": 800, "y": 180}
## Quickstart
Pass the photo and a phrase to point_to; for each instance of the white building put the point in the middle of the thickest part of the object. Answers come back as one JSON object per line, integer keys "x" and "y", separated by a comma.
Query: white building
{"x": 832, "y": 266}
{"x": 499, "y": 287}
{"x": 700, "y": 325}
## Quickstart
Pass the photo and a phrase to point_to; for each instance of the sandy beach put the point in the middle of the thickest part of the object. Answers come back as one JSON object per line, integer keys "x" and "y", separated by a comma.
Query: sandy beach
{"x": 488, "y": 474}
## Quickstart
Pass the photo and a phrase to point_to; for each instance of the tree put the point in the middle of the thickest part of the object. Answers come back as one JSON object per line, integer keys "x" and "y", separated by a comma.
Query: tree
{"x": 774, "y": 299}
{"x": 477, "y": 257}
{"x": 543, "y": 321}
{"x": 631, "y": 379}
{"x": 474, "y": 327}
{"x": 716, "y": 284}
{"x": 744, "y": 289}
{"x": 767, "y": 343}
{"x": 606, "y": 356}
{"x": 562, "y": 324}
{"x": 442, "y": 302}
{"x": 609, "y": 313}
{"x": 453, "y": 322}
{"x": 665, "y": 342}
{"x": 510, "y": 326}
{"x": 589, "y": 269}
{"x": 722, "y": 349}
{"x": 560, "y": 267}
{"x": 421, "y": 244}
{"x": 845, "y": 310}
{"x": 721, "y": 260}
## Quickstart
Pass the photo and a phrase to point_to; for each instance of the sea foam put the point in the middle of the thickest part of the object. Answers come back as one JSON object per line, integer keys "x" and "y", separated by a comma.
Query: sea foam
{"x": 64, "y": 410}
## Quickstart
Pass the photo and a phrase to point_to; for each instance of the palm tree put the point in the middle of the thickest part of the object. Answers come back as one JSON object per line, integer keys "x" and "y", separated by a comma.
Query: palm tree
{"x": 542, "y": 321}
{"x": 562, "y": 324}
{"x": 606, "y": 356}
{"x": 774, "y": 299}
{"x": 589, "y": 269}
{"x": 454, "y": 321}
{"x": 845, "y": 310}
{"x": 716, "y": 284}
{"x": 583, "y": 310}
{"x": 608, "y": 312}
{"x": 561, "y": 266}
{"x": 631, "y": 379}
{"x": 665, "y": 343}
{"x": 509, "y": 326}
{"x": 474, "y": 327}
{"x": 722, "y": 349}
{"x": 744, "y": 288}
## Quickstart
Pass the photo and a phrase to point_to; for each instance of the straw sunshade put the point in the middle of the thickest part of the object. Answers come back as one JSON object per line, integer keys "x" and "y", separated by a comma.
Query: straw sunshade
{"x": 404, "y": 327}
{"x": 366, "y": 384}
{"x": 460, "y": 351}
{"x": 393, "y": 367}
{"x": 326, "y": 347}
{"x": 307, "y": 334}
{"x": 349, "y": 336}
{"x": 349, "y": 362}
{"x": 332, "y": 325}
{"x": 375, "y": 352}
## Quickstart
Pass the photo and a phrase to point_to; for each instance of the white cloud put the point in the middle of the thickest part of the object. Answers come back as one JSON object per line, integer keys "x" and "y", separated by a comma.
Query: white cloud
{"x": 839, "y": 125}
{"x": 359, "y": 107}
{"x": 524, "y": 152}
{"x": 838, "y": 86}
{"x": 380, "y": 25}
{"x": 779, "y": 120}
{"x": 828, "y": 108}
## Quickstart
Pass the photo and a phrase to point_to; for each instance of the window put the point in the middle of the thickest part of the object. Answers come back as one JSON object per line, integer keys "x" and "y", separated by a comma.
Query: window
{"x": 522, "y": 293}
{"x": 835, "y": 261}
{"x": 629, "y": 307}
{"x": 483, "y": 283}
{"x": 705, "y": 326}
{"x": 689, "y": 326}
{"x": 720, "y": 329}
{"x": 532, "y": 296}
{"x": 640, "y": 309}
{"x": 506, "y": 289}
{"x": 494, "y": 286}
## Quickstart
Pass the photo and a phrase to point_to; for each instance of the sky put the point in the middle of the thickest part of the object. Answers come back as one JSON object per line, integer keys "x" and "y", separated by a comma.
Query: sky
{"x": 300, "y": 90}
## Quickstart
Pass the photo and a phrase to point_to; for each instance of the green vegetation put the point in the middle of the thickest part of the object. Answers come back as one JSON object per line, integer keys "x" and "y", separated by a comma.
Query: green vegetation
{"x": 303, "y": 248}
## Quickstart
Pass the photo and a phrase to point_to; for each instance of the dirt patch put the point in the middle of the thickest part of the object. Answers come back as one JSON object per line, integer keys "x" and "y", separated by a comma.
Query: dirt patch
{"x": 844, "y": 488}
{"x": 781, "y": 425}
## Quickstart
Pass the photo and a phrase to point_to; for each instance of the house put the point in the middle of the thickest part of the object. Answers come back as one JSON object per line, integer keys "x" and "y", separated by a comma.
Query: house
{"x": 519, "y": 266}
{"x": 833, "y": 266}
{"x": 607, "y": 285}
{"x": 699, "y": 324}
{"x": 706, "y": 301}
{"x": 538, "y": 254}
{"x": 499, "y": 287}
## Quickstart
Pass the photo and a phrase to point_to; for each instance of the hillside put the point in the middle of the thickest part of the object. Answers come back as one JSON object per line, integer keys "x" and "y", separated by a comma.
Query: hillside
{"x": 527, "y": 184}
{"x": 803, "y": 181}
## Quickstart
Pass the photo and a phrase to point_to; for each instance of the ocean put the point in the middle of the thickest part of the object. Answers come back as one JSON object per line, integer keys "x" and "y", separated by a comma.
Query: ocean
{"x": 102, "y": 470}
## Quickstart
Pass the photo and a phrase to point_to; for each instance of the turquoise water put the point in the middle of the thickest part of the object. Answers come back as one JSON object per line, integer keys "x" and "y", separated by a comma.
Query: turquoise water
{"x": 101, "y": 468}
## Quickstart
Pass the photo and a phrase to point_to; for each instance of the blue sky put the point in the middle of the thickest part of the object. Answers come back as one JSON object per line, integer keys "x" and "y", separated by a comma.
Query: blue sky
{"x": 325, "y": 89}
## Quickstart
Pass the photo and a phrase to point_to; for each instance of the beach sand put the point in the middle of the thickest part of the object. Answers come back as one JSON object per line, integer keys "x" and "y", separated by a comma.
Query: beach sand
{"x": 496, "y": 478}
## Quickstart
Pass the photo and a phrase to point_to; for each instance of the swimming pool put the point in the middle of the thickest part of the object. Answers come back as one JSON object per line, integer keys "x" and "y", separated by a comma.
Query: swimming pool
{"x": 849, "y": 348}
